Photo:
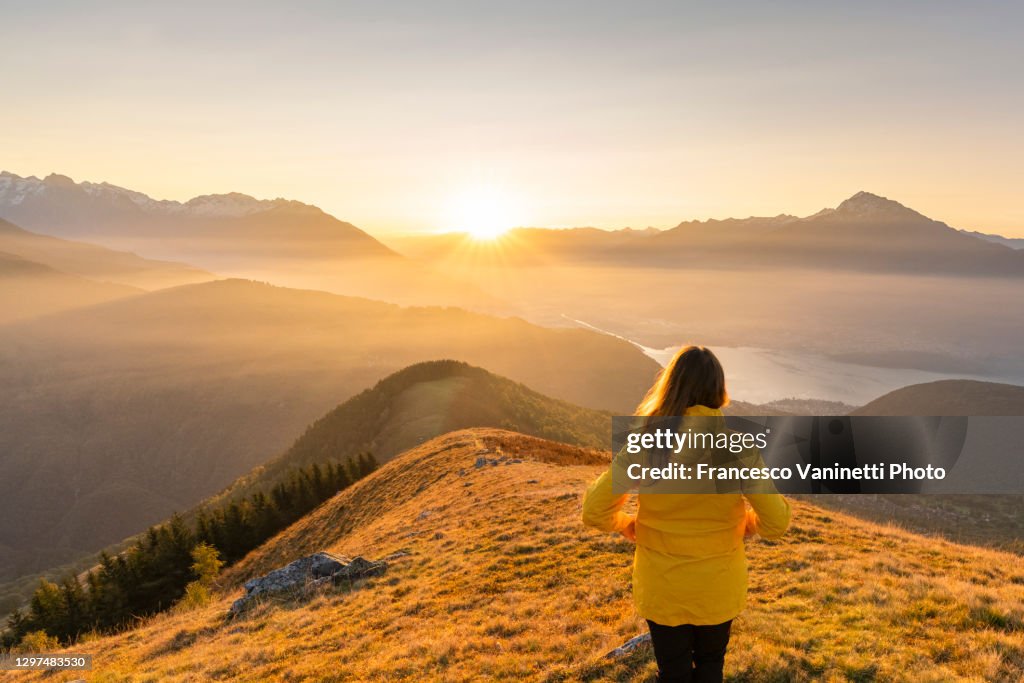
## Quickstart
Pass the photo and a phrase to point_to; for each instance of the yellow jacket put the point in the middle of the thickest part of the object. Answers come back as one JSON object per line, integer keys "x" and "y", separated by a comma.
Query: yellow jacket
{"x": 689, "y": 566}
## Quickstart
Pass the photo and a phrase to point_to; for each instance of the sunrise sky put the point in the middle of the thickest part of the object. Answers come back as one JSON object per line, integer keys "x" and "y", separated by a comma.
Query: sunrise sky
{"x": 390, "y": 114}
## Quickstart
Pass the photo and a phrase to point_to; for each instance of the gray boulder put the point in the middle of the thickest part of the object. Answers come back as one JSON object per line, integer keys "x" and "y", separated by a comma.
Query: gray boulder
{"x": 325, "y": 564}
{"x": 304, "y": 575}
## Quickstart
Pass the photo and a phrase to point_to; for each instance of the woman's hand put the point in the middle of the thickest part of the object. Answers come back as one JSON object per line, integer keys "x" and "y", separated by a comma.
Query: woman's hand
{"x": 750, "y": 525}
{"x": 629, "y": 531}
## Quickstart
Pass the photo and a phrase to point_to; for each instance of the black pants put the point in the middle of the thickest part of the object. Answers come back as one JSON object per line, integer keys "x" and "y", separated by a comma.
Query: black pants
{"x": 689, "y": 653}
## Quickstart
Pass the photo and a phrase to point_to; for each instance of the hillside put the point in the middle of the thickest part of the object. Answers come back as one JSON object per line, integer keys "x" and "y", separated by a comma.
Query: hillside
{"x": 503, "y": 582}
{"x": 29, "y": 289}
{"x": 990, "y": 520}
{"x": 96, "y": 263}
{"x": 424, "y": 401}
{"x": 949, "y": 397}
{"x": 159, "y": 401}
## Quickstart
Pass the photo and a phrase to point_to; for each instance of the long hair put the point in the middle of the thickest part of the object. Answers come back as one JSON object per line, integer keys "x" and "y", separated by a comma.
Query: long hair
{"x": 693, "y": 377}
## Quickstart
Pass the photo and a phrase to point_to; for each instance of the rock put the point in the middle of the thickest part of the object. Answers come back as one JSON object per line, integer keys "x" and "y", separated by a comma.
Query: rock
{"x": 300, "y": 577}
{"x": 484, "y": 462}
{"x": 630, "y": 646}
{"x": 324, "y": 564}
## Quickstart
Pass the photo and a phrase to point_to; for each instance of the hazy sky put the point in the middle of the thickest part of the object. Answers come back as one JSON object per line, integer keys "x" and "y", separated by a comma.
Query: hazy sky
{"x": 578, "y": 113}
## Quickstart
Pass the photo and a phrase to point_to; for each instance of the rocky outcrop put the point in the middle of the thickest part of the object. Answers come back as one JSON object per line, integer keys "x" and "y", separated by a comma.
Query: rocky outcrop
{"x": 305, "y": 575}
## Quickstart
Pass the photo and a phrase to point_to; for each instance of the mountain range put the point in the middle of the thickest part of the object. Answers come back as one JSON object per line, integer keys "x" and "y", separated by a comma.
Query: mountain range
{"x": 284, "y": 241}
{"x": 103, "y": 212}
{"x": 864, "y": 233}
{"x": 869, "y": 282}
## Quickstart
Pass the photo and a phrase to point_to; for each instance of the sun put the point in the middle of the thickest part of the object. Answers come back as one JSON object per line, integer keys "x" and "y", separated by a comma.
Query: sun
{"x": 483, "y": 212}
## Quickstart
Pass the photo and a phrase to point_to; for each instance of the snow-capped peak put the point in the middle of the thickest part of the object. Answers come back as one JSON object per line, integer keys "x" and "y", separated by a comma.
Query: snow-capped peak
{"x": 15, "y": 190}
{"x": 231, "y": 204}
{"x": 865, "y": 205}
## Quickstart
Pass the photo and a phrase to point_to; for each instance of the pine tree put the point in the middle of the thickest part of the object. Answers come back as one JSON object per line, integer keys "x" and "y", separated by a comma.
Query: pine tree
{"x": 316, "y": 480}
{"x": 353, "y": 470}
{"x": 45, "y": 608}
{"x": 172, "y": 559}
{"x": 75, "y": 612}
{"x": 234, "y": 530}
{"x": 338, "y": 477}
{"x": 367, "y": 464}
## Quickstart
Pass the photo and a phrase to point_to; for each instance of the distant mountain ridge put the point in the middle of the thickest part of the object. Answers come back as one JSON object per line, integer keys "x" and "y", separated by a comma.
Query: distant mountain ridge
{"x": 22, "y": 195}
{"x": 40, "y": 275}
{"x": 280, "y": 240}
{"x": 865, "y": 232}
{"x": 225, "y": 223}
{"x": 29, "y": 289}
{"x": 95, "y": 262}
{"x": 1012, "y": 242}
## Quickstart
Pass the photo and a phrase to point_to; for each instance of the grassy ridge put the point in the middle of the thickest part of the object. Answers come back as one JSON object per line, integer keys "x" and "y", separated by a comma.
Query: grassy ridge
{"x": 503, "y": 582}
{"x": 426, "y": 400}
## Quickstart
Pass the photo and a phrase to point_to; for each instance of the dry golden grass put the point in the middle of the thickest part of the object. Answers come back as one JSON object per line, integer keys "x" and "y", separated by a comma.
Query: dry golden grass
{"x": 504, "y": 583}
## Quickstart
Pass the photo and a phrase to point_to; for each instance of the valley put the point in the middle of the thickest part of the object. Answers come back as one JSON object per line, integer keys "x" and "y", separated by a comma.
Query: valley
{"x": 160, "y": 400}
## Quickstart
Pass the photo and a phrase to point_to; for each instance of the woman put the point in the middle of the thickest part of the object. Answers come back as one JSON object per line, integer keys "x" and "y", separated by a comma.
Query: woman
{"x": 689, "y": 569}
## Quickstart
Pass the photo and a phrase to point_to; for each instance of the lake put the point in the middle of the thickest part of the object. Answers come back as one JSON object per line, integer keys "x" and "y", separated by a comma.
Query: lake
{"x": 761, "y": 375}
{"x": 764, "y": 375}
